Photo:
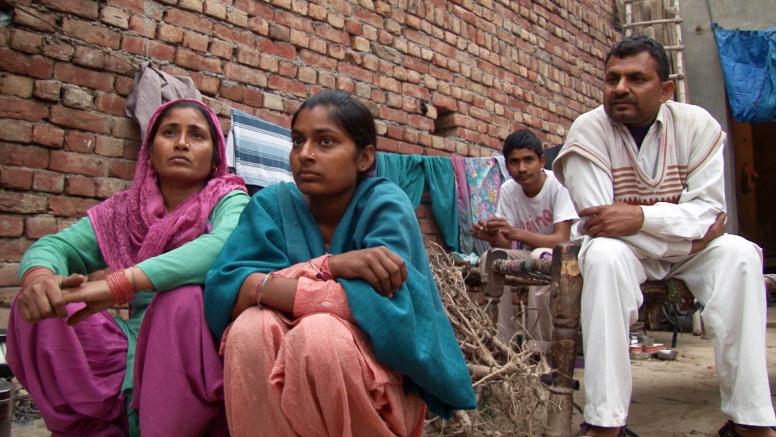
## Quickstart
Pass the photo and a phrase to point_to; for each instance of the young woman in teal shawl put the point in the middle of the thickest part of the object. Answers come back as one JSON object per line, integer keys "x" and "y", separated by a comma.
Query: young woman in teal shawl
{"x": 338, "y": 327}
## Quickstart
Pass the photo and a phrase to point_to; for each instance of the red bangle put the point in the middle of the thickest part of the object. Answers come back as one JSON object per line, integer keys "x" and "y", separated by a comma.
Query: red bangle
{"x": 32, "y": 270}
{"x": 120, "y": 287}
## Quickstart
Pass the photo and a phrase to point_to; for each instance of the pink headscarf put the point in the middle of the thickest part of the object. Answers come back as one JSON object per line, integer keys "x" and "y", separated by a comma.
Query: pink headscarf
{"x": 133, "y": 225}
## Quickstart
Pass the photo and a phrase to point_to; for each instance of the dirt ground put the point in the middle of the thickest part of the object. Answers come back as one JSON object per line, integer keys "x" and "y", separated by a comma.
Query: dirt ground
{"x": 670, "y": 398}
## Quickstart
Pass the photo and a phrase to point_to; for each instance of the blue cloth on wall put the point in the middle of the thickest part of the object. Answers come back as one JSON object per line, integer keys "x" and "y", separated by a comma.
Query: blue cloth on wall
{"x": 416, "y": 174}
{"x": 748, "y": 59}
{"x": 410, "y": 333}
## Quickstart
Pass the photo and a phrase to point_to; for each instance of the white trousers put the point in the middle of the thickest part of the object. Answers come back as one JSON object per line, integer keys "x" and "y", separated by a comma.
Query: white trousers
{"x": 726, "y": 277}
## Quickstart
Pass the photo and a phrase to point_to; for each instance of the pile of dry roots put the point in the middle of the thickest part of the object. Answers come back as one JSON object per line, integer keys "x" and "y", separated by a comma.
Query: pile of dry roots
{"x": 510, "y": 399}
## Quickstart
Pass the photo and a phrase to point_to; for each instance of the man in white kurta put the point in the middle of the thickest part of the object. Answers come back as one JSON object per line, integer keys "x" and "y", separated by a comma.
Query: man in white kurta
{"x": 646, "y": 176}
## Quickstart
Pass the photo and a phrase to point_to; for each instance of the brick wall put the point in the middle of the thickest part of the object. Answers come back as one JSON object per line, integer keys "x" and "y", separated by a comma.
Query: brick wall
{"x": 441, "y": 77}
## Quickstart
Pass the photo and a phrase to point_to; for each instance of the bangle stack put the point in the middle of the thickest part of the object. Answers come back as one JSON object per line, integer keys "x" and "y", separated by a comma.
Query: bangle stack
{"x": 120, "y": 287}
{"x": 261, "y": 285}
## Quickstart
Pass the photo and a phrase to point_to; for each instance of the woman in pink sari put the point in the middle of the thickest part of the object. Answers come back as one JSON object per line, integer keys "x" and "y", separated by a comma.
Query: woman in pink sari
{"x": 159, "y": 371}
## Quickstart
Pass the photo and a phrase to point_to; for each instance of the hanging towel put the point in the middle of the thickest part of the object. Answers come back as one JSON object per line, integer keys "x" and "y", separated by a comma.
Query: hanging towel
{"x": 464, "y": 215}
{"x": 259, "y": 150}
{"x": 484, "y": 179}
{"x": 416, "y": 174}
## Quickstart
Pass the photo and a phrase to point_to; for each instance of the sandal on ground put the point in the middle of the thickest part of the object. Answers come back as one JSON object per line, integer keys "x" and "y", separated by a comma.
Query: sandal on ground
{"x": 624, "y": 431}
{"x": 729, "y": 429}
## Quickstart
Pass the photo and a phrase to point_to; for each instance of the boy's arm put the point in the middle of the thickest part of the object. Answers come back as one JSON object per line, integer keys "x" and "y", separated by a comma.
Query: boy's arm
{"x": 560, "y": 233}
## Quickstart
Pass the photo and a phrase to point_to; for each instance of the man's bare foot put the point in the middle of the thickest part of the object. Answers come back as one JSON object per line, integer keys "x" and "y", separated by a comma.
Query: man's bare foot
{"x": 600, "y": 431}
{"x": 732, "y": 430}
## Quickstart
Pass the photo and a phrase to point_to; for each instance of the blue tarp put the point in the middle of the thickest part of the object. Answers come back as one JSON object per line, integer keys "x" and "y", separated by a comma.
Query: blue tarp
{"x": 748, "y": 59}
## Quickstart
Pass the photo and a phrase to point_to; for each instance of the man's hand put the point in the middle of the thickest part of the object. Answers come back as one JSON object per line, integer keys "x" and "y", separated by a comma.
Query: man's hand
{"x": 715, "y": 230}
{"x": 617, "y": 220}
{"x": 381, "y": 268}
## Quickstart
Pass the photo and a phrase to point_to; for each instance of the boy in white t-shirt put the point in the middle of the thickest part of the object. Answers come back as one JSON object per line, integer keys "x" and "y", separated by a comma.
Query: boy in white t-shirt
{"x": 534, "y": 212}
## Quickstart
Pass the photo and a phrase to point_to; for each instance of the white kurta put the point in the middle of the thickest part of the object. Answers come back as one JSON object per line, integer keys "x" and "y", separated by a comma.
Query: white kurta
{"x": 726, "y": 277}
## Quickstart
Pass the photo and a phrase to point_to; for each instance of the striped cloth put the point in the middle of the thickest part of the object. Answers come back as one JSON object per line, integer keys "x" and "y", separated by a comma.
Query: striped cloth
{"x": 258, "y": 150}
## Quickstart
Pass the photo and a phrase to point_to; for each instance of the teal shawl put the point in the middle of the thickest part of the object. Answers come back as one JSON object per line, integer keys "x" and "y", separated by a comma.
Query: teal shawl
{"x": 410, "y": 333}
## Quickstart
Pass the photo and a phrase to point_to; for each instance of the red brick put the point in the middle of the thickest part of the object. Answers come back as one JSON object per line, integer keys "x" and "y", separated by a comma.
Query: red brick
{"x": 110, "y": 103}
{"x": 77, "y": 163}
{"x": 279, "y": 33}
{"x": 48, "y": 181}
{"x": 82, "y": 120}
{"x": 80, "y": 142}
{"x": 238, "y": 36}
{"x": 188, "y": 20}
{"x": 122, "y": 168}
{"x": 17, "y": 178}
{"x": 25, "y": 41}
{"x": 287, "y": 69}
{"x": 288, "y": 85}
{"x": 109, "y": 146}
{"x": 259, "y": 25}
{"x": 21, "y": 109}
{"x": 13, "y": 85}
{"x": 48, "y": 135}
{"x": 106, "y": 187}
{"x": 8, "y": 274}
{"x": 13, "y": 250}
{"x": 189, "y": 59}
{"x": 84, "y": 77}
{"x": 331, "y": 34}
{"x": 195, "y": 41}
{"x": 248, "y": 56}
{"x": 76, "y": 185}
{"x": 355, "y": 72}
{"x": 39, "y": 226}
{"x": 83, "y": 8}
{"x": 222, "y": 49}
{"x": 124, "y": 85}
{"x": 254, "y": 8}
{"x": 215, "y": 8}
{"x": 59, "y": 51}
{"x": 142, "y": 25}
{"x": 231, "y": 91}
{"x": 35, "y": 19}
{"x": 91, "y": 33}
{"x": 132, "y": 5}
{"x": 16, "y": 131}
{"x": 253, "y": 97}
{"x": 20, "y": 202}
{"x": 69, "y": 206}
{"x": 245, "y": 75}
{"x": 115, "y": 17}
{"x": 161, "y": 51}
{"x": 170, "y": 33}
{"x": 131, "y": 149}
{"x": 119, "y": 65}
{"x": 205, "y": 84}
{"x": 15, "y": 62}
{"x": 134, "y": 44}
{"x": 89, "y": 57}
{"x": 282, "y": 49}
{"x": 125, "y": 128}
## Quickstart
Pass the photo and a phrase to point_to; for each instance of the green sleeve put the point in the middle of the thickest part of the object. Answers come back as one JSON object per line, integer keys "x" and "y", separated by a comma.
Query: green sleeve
{"x": 71, "y": 250}
{"x": 189, "y": 263}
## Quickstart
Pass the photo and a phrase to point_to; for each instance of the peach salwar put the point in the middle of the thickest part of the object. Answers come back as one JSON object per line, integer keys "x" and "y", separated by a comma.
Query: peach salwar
{"x": 276, "y": 383}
